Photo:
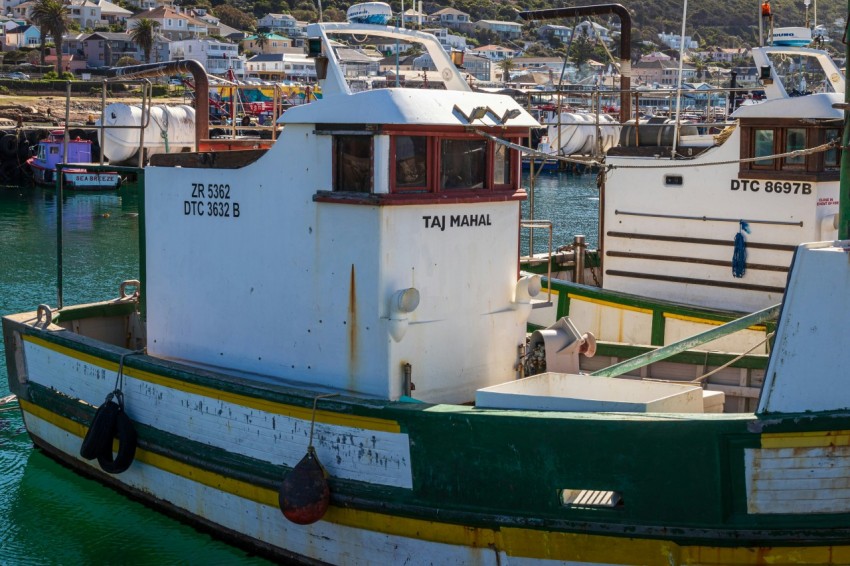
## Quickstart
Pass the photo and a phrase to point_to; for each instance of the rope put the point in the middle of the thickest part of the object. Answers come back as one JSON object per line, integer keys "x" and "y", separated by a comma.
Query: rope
{"x": 739, "y": 256}
{"x": 313, "y": 420}
{"x": 705, "y": 376}
{"x": 686, "y": 162}
{"x": 119, "y": 378}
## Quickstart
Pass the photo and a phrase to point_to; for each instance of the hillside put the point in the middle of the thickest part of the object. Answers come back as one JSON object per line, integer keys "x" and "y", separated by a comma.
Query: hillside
{"x": 713, "y": 23}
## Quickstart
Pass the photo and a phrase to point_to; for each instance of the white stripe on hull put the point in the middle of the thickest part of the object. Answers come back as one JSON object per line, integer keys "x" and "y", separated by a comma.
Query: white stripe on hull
{"x": 376, "y": 457}
{"x": 328, "y": 542}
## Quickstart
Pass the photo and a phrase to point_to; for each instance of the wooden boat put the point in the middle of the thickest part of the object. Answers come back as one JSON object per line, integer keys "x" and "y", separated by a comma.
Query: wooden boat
{"x": 351, "y": 396}
{"x": 694, "y": 223}
{"x": 51, "y": 152}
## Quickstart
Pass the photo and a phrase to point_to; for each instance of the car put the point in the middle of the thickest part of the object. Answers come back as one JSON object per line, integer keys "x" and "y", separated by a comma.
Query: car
{"x": 175, "y": 81}
{"x": 19, "y": 76}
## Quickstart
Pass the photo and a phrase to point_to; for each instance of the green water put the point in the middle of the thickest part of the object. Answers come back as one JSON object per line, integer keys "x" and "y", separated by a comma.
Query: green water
{"x": 50, "y": 515}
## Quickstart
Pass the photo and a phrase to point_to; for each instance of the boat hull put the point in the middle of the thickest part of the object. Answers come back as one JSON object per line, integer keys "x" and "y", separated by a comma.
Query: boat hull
{"x": 76, "y": 179}
{"x": 414, "y": 482}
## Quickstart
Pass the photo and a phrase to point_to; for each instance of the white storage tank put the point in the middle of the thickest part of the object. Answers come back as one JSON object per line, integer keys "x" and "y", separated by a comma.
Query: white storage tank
{"x": 171, "y": 129}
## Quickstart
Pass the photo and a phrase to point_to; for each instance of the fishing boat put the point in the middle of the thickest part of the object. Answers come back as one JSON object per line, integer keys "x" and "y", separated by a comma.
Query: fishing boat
{"x": 51, "y": 152}
{"x": 369, "y": 393}
{"x": 698, "y": 221}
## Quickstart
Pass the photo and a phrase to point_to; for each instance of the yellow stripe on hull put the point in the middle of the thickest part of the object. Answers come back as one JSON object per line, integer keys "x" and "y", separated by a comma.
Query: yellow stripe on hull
{"x": 697, "y": 320}
{"x": 818, "y": 439}
{"x": 516, "y": 542}
{"x": 304, "y": 413}
{"x": 599, "y": 302}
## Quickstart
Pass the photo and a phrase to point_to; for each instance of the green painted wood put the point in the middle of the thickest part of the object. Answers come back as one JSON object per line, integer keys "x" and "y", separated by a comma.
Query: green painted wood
{"x": 688, "y": 343}
{"x": 658, "y": 326}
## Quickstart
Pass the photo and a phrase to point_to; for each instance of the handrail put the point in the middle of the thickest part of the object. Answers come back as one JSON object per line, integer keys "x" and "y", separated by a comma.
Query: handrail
{"x": 709, "y": 218}
{"x": 676, "y": 347}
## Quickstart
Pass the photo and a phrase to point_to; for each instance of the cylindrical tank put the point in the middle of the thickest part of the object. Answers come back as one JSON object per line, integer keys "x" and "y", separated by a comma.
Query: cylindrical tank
{"x": 658, "y": 131}
{"x": 578, "y": 133}
{"x": 171, "y": 129}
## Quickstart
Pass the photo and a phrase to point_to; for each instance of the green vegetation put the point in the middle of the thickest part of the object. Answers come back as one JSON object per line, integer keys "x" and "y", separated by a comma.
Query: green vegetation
{"x": 143, "y": 36}
{"x": 51, "y": 16}
{"x": 712, "y": 23}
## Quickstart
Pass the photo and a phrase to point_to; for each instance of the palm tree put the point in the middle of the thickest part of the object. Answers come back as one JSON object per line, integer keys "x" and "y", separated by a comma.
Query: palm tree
{"x": 506, "y": 66}
{"x": 262, "y": 40}
{"x": 143, "y": 35}
{"x": 52, "y": 18}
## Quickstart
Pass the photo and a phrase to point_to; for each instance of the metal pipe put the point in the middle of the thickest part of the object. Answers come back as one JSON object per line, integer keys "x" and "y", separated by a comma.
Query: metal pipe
{"x": 844, "y": 185}
{"x": 163, "y": 69}
{"x": 407, "y": 384}
{"x": 59, "y": 201}
{"x": 702, "y": 338}
{"x": 625, "y": 40}
{"x": 580, "y": 247}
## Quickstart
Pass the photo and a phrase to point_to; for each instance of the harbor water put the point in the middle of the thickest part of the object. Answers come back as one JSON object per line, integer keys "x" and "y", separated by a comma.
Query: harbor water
{"x": 49, "y": 514}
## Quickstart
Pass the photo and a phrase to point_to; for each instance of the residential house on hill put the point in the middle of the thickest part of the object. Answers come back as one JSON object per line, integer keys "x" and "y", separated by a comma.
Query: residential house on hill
{"x": 282, "y": 66}
{"x": 592, "y": 30}
{"x": 172, "y": 23}
{"x": 448, "y": 40}
{"x": 216, "y": 56}
{"x": 662, "y": 73}
{"x": 22, "y": 11}
{"x": 450, "y": 17}
{"x": 479, "y": 67}
{"x": 22, "y": 36}
{"x": 86, "y": 13}
{"x": 284, "y": 24}
{"x": 113, "y": 13}
{"x": 274, "y": 44}
{"x": 496, "y": 52}
{"x": 505, "y": 30}
{"x": 104, "y": 49}
{"x": 415, "y": 17}
{"x": 547, "y": 31}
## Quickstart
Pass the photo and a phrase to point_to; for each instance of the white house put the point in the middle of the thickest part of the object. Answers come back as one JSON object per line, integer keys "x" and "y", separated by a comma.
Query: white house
{"x": 591, "y": 31}
{"x": 505, "y": 30}
{"x": 674, "y": 41}
{"x": 216, "y": 56}
{"x": 448, "y": 40}
{"x": 282, "y": 66}
{"x": 86, "y": 13}
{"x": 496, "y": 52}
{"x": 284, "y": 24}
{"x": 172, "y": 23}
{"x": 450, "y": 17}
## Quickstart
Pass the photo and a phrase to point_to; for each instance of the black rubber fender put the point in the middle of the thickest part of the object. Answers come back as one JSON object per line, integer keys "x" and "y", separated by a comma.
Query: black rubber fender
{"x": 9, "y": 145}
{"x": 99, "y": 436}
{"x": 127, "y": 439}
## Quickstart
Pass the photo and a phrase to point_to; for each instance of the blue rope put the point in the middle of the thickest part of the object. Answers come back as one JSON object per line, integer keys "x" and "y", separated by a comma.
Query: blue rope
{"x": 739, "y": 256}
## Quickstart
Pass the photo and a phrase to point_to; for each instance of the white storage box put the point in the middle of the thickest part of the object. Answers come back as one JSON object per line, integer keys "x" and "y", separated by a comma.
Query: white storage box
{"x": 585, "y": 393}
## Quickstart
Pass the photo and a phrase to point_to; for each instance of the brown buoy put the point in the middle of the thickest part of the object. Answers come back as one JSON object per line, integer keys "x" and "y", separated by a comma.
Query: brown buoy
{"x": 304, "y": 495}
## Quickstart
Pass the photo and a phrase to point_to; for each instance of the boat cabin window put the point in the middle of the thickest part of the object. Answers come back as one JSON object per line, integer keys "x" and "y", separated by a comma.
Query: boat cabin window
{"x": 54, "y": 150}
{"x": 462, "y": 164}
{"x": 795, "y": 139}
{"x": 769, "y": 140}
{"x": 352, "y": 163}
{"x": 411, "y": 162}
{"x": 763, "y": 147}
{"x": 450, "y": 163}
{"x": 830, "y": 157}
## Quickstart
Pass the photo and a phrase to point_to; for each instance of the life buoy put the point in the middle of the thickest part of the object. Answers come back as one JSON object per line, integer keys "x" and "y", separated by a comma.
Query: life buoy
{"x": 110, "y": 421}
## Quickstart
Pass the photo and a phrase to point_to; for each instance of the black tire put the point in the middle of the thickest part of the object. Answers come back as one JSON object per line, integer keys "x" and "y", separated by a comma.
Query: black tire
{"x": 99, "y": 437}
{"x": 127, "y": 438}
{"x": 9, "y": 145}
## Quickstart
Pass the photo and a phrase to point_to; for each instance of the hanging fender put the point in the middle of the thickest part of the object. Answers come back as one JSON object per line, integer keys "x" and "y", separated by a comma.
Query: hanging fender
{"x": 304, "y": 495}
{"x": 110, "y": 421}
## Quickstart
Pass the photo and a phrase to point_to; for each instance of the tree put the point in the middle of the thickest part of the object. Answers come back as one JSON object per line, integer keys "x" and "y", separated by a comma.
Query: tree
{"x": 51, "y": 17}
{"x": 506, "y": 66}
{"x": 144, "y": 34}
{"x": 235, "y": 17}
{"x": 262, "y": 40}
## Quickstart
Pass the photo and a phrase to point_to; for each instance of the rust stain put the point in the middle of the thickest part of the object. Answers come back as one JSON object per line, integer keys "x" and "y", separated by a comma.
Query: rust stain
{"x": 352, "y": 325}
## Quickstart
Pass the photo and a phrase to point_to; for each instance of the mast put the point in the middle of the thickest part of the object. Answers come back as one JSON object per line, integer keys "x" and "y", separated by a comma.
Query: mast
{"x": 844, "y": 187}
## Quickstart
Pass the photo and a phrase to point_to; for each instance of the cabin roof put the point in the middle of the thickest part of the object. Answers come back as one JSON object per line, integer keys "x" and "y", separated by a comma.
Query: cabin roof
{"x": 408, "y": 107}
{"x": 817, "y": 106}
